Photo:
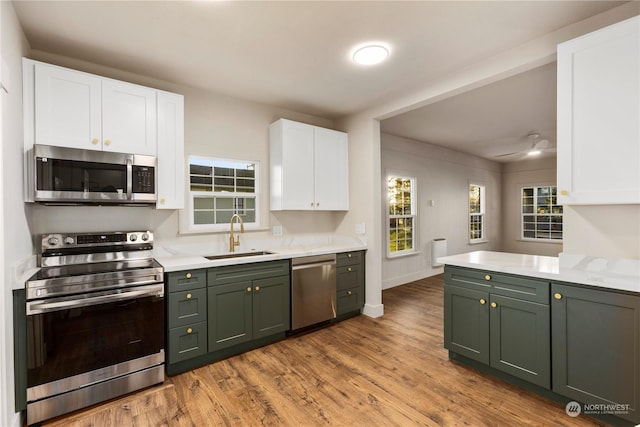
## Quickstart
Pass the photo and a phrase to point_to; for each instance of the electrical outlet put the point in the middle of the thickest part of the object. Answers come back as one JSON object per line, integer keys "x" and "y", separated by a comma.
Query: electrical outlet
{"x": 277, "y": 230}
{"x": 360, "y": 228}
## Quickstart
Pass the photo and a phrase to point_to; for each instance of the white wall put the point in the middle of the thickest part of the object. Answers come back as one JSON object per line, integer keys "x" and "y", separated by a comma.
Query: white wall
{"x": 443, "y": 176}
{"x": 14, "y": 231}
{"x": 603, "y": 231}
{"x": 516, "y": 175}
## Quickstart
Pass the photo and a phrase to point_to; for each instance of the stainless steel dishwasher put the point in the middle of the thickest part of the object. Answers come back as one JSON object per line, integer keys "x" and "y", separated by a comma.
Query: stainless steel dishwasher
{"x": 313, "y": 290}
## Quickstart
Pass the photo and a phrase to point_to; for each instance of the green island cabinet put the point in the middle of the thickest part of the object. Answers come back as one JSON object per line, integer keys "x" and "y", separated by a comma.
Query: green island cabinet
{"x": 217, "y": 312}
{"x": 565, "y": 341}
{"x": 596, "y": 348}
{"x": 499, "y": 320}
{"x": 350, "y": 273}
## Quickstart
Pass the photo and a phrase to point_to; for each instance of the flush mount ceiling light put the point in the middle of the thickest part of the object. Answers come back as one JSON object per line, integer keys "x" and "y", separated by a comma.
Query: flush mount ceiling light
{"x": 370, "y": 54}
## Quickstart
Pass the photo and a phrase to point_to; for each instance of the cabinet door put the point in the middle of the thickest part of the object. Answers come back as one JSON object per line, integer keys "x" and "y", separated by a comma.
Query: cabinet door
{"x": 520, "y": 339}
{"x": 186, "y": 342}
{"x": 331, "y": 170}
{"x": 349, "y": 300}
{"x": 128, "y": 118}
{"x": 67, "y": 108}
{"x": 297, "y": 166}
{"x": 170, "y": 151}
{"x": 466, "y": 322}
{"x": 596, "y": 347}
{"x": 599, "y": 116}
{"x": 187, "y": 307}
{"x": 270, "y": 306}
{"x": 229, "y": 314}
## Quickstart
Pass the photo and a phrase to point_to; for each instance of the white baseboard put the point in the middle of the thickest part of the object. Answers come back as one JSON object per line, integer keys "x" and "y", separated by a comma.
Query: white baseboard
{"x": 373, "y": 310}
{"x": 402, "y": 280}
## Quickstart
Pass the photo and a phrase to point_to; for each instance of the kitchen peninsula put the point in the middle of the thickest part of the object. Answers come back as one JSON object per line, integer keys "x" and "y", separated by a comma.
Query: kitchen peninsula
{"x": 532, "y": 320}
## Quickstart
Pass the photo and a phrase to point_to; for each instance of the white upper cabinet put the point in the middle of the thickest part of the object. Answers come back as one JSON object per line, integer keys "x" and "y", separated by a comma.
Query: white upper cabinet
{"x": 170, "y": 151}
{"x": 69, "y": 108}
{"x": 308, "y": 167}
{"x": 599, "y": 116}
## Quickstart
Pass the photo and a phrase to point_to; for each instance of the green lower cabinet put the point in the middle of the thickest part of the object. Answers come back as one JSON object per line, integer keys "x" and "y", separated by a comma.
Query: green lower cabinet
{"x": 230, "y": 314}
{"x": 271, "y": 306}
{"x": 596, "y": 349}
{"x": 519, "y": 339}
{"x": 466, "y": 322}
{"x": 485, "y": 323}
{"x": 187, "y": 342}
{"x": 350, "y": 283}
{"x": 349, "y": 300}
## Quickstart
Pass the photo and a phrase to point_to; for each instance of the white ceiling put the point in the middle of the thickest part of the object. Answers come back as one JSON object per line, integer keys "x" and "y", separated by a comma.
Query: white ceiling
{"x": 297, "y": 54}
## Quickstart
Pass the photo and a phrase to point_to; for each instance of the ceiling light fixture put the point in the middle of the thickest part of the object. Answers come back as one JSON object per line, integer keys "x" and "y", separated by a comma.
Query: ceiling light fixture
{"x": 370, "y": 54}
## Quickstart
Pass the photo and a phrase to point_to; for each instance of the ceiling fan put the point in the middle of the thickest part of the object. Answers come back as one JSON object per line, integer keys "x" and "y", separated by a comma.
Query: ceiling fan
{"x": 539, "y": 144}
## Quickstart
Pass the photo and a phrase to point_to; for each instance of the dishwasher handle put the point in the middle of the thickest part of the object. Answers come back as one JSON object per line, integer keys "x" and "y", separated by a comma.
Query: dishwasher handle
{"x": 312, "y": 261}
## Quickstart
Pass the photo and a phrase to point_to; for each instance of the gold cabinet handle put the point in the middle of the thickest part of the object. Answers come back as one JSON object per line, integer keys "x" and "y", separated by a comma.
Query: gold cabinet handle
{"x": 564, "y": 193}
{"x": 249, "y": 289}
{"x": 349, "y": 292}
{"x": 107, "y": 142}
{"x": 487, "y": 277}
{"x": 557, "y": 295}
{"x": 189, "y": 296}
{"x": 494, "y": 305}
{"x": 189, "y": 330}
{"x": 257, "y": 288}
{"x": 483, "y": 301}
{"x": 188, "y": 275}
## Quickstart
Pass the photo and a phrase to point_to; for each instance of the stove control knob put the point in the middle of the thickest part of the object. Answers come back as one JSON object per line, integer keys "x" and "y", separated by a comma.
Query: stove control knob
{"x": 133, "y": 237}
{"x": 53, "y": 241}
{"x": 69, "y": 240}
{"x": 145, "y": 237}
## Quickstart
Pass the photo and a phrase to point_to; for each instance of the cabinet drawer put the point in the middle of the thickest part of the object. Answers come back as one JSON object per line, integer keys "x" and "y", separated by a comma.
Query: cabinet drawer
{"x": 349, "y": 277}
{"x": 519, "y": 287}
{"x": 349, "y": 258}
{"x": 185, "y": 307}
{"x": 236, "y": 273}
{"x": 187, "y": 279}
{"x": 350, "y": 300}
{"x": 187, "y": 342}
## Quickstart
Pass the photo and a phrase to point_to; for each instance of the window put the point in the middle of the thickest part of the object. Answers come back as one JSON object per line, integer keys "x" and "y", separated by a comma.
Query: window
{"x": 402, "y": 215}
{"x": 477, "y": 231}
{"x": 219, "y": 188}
{"x": 541, "y": 215}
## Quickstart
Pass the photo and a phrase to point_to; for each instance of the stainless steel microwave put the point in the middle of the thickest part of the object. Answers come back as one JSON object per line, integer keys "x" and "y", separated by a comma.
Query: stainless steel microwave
{"x": 75, "y": 176}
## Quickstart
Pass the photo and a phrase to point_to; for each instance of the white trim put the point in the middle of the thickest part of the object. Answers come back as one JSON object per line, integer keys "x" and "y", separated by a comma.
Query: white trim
{"x": 482, "y": 214}
{"x": 413, "y": 216}
{"x": 374, "y": 311}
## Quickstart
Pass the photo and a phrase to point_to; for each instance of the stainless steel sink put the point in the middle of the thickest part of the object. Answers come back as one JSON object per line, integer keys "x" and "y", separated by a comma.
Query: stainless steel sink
{"x": 238, "y": 255}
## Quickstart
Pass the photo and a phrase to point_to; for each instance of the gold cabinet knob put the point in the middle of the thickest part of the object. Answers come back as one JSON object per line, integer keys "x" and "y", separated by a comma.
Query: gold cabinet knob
{"x": 483, "y": 301}
{"x": 188, "y": 275}
{"x": 348, "y": 255}
{"x": 257, "y": 288}
{"x": 487, "y": 277}
{"x": 557, "y": 295}
{"x": 494, "y": 305}
{"x": 349, "y": 269}
{"x": 317, "y": 203}
{"x": 189, "y": 330}
{"x": 249, "y": 289}
{"x": 349, "y": 292}
{"x": 189, "y": 296}
{"x": 311, "y": 204}
{"x": 107, "y": 142}
{"x": 162, "y": 201}
{"x": 564, "y": 193}
{"x": 95, "y": 141}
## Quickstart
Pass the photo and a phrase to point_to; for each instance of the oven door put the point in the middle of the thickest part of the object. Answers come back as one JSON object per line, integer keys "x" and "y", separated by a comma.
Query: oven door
{"x": 75, "y": 341}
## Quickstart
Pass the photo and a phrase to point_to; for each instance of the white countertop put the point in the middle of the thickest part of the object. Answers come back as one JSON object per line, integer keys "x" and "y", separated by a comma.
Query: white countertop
{"x": 182, "y": 257}
{"x": 617, "y": 274}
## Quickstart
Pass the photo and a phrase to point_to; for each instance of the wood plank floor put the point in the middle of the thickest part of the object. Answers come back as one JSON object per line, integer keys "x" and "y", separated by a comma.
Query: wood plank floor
{"x": 391, "y": 371}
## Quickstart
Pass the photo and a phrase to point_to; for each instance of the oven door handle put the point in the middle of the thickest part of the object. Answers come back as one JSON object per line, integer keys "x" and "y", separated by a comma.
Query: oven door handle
{"x": 57, "y": 304}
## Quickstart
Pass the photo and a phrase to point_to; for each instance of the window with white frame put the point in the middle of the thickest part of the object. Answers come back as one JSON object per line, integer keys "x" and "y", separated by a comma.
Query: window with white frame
{"x": 401, "y": 196}
{"x": 477, "y": 229}
{"x": 220, "y": 188}
{"x": 541, "y": 214}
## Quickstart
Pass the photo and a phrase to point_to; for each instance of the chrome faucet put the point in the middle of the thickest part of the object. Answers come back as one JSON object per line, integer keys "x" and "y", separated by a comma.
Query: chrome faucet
{"x": 233, "y": 242}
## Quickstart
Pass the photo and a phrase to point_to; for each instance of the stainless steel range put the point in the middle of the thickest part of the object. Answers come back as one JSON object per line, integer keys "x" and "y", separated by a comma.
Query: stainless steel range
{"x": 95, "y": 321}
